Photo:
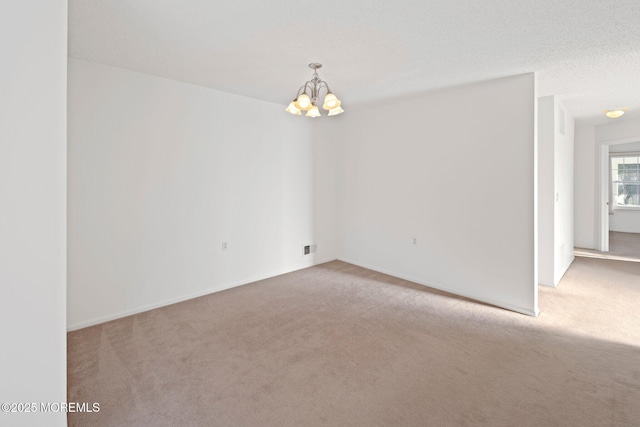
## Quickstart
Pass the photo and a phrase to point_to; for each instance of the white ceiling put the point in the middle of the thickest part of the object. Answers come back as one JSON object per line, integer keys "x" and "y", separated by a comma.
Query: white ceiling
{"x": 587, "y": 52}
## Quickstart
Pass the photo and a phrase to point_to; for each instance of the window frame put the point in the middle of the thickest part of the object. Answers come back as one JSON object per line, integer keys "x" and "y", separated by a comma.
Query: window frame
{"x": 612, "y": 199}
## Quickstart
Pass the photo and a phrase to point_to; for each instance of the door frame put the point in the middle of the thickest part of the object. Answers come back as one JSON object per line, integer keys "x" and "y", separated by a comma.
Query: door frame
{"x": 603, "y": 190}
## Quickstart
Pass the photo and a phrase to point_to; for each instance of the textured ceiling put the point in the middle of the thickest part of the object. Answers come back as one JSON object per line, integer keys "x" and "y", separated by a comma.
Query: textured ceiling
{"x": 585, "y": 52}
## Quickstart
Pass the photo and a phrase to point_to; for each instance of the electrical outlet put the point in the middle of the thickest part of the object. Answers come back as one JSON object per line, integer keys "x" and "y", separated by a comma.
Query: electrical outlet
{"x": 224, "y": 246}
{"x": 415, "y": 241}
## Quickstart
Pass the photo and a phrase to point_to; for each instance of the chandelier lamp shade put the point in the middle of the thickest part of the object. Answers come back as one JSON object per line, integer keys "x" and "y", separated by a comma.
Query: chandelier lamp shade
{"x": 309, "y": 94}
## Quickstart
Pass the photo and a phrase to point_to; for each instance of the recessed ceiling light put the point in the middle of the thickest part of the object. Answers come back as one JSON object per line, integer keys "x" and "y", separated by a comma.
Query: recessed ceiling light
{"x": 614, "y": 114}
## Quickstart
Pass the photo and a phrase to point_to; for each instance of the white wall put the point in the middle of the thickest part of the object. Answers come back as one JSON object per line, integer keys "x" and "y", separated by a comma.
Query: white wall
{"x": 555, "y": 190}
{"x": 625, "y": 221}
{"x": 546, "y": 190}
{"x": 162, "y": 172}
{"x": 626, "y": 148}
{"x": 621, "y": 131}
{"x": 455, "y": 170}
{"x": 585, "y": 184}
{"x": 563, "y": 185}
{"x": 33, "y": 42}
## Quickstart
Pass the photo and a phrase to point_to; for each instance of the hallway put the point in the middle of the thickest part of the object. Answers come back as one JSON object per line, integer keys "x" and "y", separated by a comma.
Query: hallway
{"x": 622, "y": 247}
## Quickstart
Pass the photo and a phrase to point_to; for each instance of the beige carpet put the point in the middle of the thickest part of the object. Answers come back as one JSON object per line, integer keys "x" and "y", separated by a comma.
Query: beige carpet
{"x": 338, "y": 345}
{"x": 622, "y": 247}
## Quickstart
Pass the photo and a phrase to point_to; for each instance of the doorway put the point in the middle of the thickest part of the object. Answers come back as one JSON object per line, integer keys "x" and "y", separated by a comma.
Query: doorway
{"x": 619, "y": 200}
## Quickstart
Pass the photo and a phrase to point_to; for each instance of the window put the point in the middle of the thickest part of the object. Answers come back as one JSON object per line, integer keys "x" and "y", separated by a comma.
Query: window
{"x": 625, "y": 174}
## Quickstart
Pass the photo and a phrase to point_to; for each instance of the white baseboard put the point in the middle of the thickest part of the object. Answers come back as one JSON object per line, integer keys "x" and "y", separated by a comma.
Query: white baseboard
{"x": 125, "y": 313}
{"x": 564, "y": 270}
{"x": 493, "y": 302}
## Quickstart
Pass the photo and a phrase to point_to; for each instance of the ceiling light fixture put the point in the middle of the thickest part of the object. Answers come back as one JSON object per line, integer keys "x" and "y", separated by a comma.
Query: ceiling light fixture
{"x": 309, "y": 94}
{"x": 614, "y": 114}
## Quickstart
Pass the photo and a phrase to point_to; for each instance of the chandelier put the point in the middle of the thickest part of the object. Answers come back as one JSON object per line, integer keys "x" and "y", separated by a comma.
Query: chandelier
{"x": 309, "y": 94}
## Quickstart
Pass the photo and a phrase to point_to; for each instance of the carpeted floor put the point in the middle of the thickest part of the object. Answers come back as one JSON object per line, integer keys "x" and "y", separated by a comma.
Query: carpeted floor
{"x": 624, "y": 244}
{"x": 622, "y": 247}
{"x": 338, "y": 345}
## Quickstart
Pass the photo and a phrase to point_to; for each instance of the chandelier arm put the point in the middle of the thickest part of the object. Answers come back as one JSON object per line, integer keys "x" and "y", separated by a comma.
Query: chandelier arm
{"x": 325, "y": 85}
{"x": 308, "y": 85}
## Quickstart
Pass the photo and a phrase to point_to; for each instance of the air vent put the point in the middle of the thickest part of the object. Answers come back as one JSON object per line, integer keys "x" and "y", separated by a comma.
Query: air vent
{"x": 309, "y": 249}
